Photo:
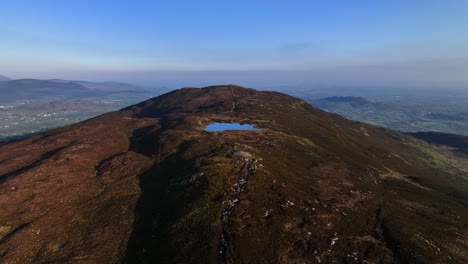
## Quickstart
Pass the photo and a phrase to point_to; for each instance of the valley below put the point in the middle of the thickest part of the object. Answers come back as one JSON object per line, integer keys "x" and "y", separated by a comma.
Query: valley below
{"x": 29, "y": 106}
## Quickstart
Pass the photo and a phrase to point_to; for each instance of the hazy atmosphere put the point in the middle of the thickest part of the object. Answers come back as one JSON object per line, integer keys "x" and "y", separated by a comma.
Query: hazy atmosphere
{"x": 179, "y": 43}
{"x": 230, "y": 132}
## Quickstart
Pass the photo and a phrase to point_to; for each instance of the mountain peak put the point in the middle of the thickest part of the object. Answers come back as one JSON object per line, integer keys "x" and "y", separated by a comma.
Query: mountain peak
{"x": 148, "y": 184}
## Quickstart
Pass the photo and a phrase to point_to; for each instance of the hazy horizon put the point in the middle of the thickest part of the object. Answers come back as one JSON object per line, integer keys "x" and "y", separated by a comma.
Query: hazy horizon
{"x": 185, "y": 43}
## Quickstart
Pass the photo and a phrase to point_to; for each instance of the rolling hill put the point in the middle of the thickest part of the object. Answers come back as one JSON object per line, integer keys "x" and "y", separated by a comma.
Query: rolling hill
{"x": 33, "y": 89}
{"x": 147, "y": 184}
{"x": 458, "y": 142}
{"x": 3, "y": 78}
{"x": 352, "y": 100}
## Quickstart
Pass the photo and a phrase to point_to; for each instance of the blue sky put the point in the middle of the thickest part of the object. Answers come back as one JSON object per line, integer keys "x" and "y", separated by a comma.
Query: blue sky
{"x": 234, "y": 41}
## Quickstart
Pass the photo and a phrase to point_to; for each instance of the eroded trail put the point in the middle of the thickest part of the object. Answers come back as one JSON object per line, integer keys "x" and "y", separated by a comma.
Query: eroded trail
{"x": 233, "y": 100}
{"x": 233, "y": 198}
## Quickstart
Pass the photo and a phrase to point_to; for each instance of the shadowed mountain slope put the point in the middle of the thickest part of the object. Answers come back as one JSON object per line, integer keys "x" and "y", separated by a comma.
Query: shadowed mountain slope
{"x": 147, "y": 184}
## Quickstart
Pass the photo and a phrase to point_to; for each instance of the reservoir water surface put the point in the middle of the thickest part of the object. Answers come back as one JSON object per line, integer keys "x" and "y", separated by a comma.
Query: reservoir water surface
{"x": 217, "y": 127}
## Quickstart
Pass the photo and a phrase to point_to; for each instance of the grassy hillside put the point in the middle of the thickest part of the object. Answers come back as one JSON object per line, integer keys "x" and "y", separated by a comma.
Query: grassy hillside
{"x": 147, "y": 184}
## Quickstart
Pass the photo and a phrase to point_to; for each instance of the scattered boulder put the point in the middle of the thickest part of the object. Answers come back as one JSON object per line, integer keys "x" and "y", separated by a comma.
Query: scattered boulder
{"x": 59, "y": 246}
{"x": 242, "y": 154}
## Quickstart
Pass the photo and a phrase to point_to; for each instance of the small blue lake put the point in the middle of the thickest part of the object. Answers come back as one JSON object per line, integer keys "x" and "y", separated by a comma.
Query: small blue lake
{"x": 217, "y": 127}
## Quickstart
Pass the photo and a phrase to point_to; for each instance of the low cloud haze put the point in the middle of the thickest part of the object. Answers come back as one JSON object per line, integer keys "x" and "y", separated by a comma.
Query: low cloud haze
{"x": 433, "y": 73}
{"x": 260, "y": 43}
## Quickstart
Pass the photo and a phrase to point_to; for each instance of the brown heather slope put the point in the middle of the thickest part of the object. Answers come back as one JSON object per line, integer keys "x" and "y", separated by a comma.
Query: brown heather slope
{"x": 148, "y": 185}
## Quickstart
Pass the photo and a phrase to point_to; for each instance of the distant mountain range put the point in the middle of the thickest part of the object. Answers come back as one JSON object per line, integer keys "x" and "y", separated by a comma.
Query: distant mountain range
{"x": 352, "y": 100}
{"x": 3, "y": 78}
{"x": 32, "y": 89}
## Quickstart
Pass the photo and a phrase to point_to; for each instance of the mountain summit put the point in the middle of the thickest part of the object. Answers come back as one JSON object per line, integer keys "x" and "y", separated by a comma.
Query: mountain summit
{"x": 148, "y": 184}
